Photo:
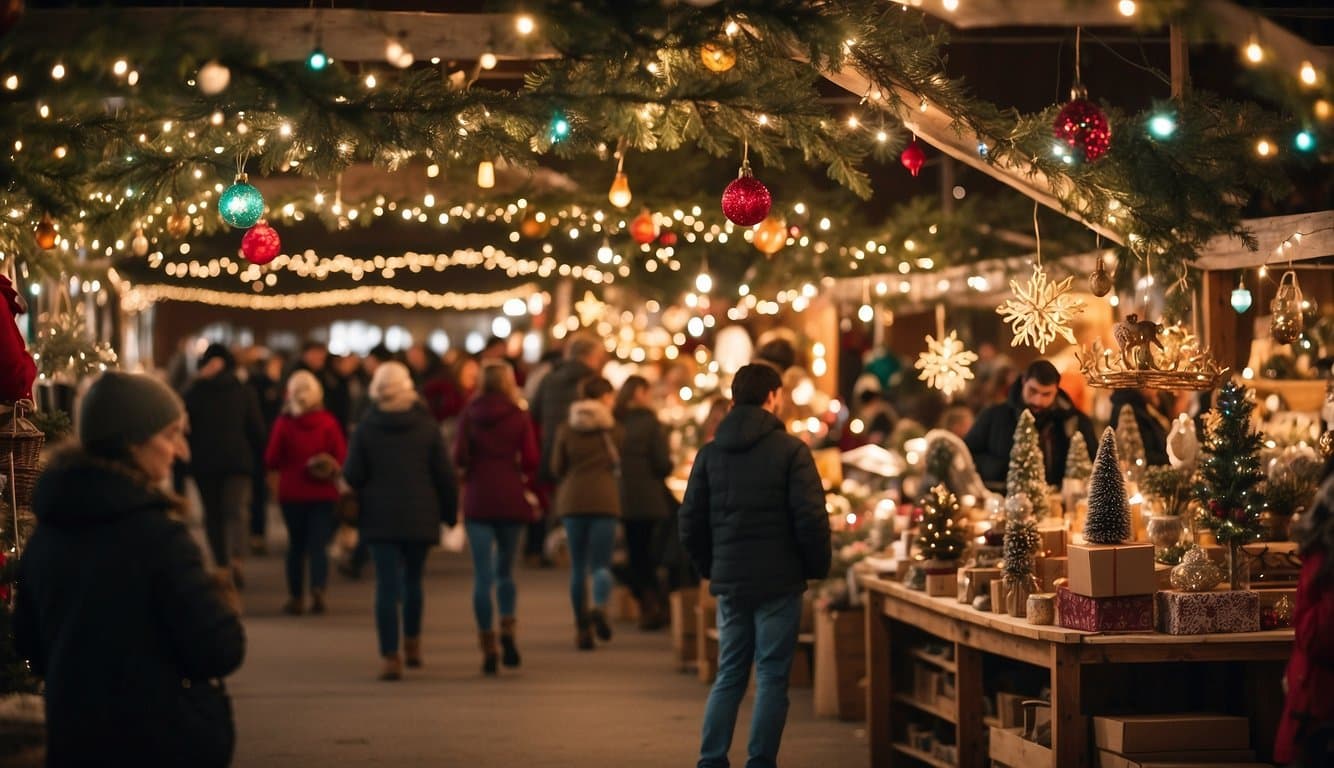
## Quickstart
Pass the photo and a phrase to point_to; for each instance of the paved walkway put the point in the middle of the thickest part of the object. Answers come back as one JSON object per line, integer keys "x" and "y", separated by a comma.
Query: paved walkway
{"x": 307, "y": 694}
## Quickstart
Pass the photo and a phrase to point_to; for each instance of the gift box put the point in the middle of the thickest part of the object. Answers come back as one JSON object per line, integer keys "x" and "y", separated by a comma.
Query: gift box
{"x": 1274, "y": 563}
{"x": 997, "y": 595}
{"x": 1111, "y": 570}
{"x": 976, "y": 581}
{"x": 1202, "y": 613}
{"x": 1135, "y": 734}
{"x": 1124, "y": 613}
{"x": 1049, "y": 569}
{"x": 1053, "y": 541}
{"x": 1163, "y": 575}
{"x": 943, "y": 583}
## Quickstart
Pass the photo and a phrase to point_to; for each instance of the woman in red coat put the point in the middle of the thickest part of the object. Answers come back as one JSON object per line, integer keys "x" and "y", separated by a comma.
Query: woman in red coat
{"x": 306, "y": 450}
{"x": 496, "y": 451}
{"x": 1309, "y": 711}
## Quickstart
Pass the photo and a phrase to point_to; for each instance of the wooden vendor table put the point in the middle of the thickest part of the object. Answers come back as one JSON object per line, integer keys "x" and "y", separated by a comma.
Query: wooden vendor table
{"x": 894, "y": 611}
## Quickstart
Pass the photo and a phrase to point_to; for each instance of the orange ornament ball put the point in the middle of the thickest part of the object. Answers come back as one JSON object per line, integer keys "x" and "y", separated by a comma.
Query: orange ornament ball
{"x": 644, "y": 228}
{"x": 717, "y": 56}
{"x": 178, "y": 224}
{"x": 770, "y": 235}
{"x": 533, "y": 229}
{"x": 45, "y": 233}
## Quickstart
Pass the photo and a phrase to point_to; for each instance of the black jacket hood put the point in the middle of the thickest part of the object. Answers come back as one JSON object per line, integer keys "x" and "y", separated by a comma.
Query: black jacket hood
{"x": 80, "y": 490}
{"x": 744, "y": 426}
{"x": 398, "y": 421}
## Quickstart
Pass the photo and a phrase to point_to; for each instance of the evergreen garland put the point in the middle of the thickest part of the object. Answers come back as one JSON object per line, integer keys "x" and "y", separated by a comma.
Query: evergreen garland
{"x": 1129, "y": 443}
{"x": 1230, "y": 472}
{"x": 1028, "y": 471}
{"x": 1021, "y": 547}
{"x": 938, "y": 536}
{"x": 1108, "y": 519}
{"x": 1078, "y": 465}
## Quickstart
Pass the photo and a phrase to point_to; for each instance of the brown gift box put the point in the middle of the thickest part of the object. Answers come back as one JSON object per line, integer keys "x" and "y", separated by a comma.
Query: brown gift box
{"x": 942, "y": 584}
{"x": 975, "y": 581}
{"x": 1112, "y": 570}
{"x": 1049, "y": 569}
{"x": 1053, "y": 540}
{"x": 1130, "y": 734}
{"x": 997, "y": 595}
{"x": 1163, "y": 574}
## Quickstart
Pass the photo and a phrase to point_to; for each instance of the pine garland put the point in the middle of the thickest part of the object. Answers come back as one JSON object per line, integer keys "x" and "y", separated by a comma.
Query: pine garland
{"x": 1108, "y": 519}
{"x": 1129, "y": 443}
{"x": 939, "y": 537}
{"x": 1028, "y": 472}
{"x": 1230, "y": 472}
{"x": 1078, "y": 465}
{"x": 1020, "y": 550}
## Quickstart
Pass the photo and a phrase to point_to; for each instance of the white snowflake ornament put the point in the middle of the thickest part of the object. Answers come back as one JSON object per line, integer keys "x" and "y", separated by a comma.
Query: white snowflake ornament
{"x": 1041, "y": 311}
{"x": 945, "y": 364}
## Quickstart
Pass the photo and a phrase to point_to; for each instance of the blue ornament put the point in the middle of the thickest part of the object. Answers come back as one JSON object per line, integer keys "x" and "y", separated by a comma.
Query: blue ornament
{"x": 241, "y": 205}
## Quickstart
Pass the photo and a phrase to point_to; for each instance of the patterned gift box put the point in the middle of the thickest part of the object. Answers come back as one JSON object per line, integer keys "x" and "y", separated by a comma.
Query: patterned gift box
{"x": 1202, "y": 613}
{"x": 1133, "y": 613}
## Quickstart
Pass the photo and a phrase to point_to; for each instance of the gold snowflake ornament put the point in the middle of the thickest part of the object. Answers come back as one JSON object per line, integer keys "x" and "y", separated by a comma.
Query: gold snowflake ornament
{"x": 945, "y": 364}
{"x": 1040, "y": 311}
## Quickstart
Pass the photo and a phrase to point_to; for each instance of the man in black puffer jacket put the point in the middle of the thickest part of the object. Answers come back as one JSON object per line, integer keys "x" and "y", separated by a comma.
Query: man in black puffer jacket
{"x": 755, "y": 525}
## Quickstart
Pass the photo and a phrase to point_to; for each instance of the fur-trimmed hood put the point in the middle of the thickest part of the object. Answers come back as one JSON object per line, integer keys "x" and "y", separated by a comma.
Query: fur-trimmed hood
{"x": 590, "y": 416}
{"x": 77, "y": 489}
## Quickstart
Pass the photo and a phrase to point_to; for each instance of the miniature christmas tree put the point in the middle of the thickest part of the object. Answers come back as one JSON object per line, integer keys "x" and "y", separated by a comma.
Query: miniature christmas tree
{"x": 1078, "y": 465}
{"x": 1028, "y": 471}
{"x": 939, "y": 537}
{"x": 1108, "y": 520}
{"x": 1230, "y": 470}
{"x": 1129, "y": 443}
{"x": 1021, "y": 547}
{"x": 939, "y": 459}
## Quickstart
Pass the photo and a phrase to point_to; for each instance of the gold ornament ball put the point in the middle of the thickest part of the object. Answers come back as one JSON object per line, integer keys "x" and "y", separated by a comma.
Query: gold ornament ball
{"x": 770, "y": 235}
{"x": 1327, "y": 443}
{"x": 717, "y": 56}
{"x": 178, "y": 224}
{"x": 1100, "y": 283}
{"x": 45, "y": 233}
{"x": 533, "y": 229}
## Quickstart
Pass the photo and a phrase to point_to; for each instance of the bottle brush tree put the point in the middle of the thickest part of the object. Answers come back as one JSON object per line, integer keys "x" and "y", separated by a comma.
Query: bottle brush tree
{"x": 1028, "y": 471}
{"x": 1078, "y": 465}
{"x": 1129, "y": 442}
{"x": 938, "y": 535}
{"x": 1108, "y": 519}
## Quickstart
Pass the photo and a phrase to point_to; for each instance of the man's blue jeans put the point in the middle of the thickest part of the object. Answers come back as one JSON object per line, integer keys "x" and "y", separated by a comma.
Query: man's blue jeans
{"x": 763, "y": 632}
{"x": 398, "y": 587}
{"x": 492, "y": 545}
{"x": 591, "y": 540}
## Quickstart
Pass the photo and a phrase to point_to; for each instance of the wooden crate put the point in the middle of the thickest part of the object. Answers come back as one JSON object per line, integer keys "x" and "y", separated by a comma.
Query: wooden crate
{"x": 1011, "y": 749}
{"x": 840, "y": 664}
{"x": 682, "y": 603}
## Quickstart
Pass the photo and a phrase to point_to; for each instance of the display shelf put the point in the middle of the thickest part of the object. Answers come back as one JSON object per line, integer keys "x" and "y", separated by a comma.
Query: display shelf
{"x": 918, "y": 754}
{"x": 935, "y": 660}
{"x": 944, "y": 712}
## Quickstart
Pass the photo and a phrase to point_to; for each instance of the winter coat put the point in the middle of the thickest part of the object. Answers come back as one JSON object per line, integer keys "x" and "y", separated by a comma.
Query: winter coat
{"x": 226, "y": 428}
{"x": 645, "y": 463}
{"x": 753, "y": 518}
{"x": 496, "y": 452}
{"x": 269, "y": 393}
{"x": 551, "y": 407}
{"x": 1152, "y": 425}
{"x": 443, "y": 397}
{"x": 585, "y": 463}
{"x": 399, "y": 467}
{"x": 116, "y": 612}
{"x": 295, "y": 440}
{"x": 992, "y": 436}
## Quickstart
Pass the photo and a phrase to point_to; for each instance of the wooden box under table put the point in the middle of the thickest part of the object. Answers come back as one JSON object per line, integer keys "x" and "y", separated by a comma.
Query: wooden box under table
{"x": 840, "y": 664}
{"x": 1009, "y": 748}
{"x": 682, "y": 603}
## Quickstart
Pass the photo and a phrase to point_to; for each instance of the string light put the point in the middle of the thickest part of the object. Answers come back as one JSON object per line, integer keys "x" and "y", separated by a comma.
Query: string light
{"x": 525, "y": 25}
{"x": 1162, "y": 126}
{"x": 487, "y": 61}
{"x": 1304, "y": 141}
{"x": 1254, "y": 53}
{"x": 138, "y": 298}
{"x": 58, "y": 72}
{"x": 1127, "y": 7}
{"x": 317, "y": 60}
{"x": 1263, "y": 148}
{"x": 1307, "y": 73}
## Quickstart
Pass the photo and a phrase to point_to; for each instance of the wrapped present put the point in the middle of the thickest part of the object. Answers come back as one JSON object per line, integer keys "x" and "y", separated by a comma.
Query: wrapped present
{"x": 1162, "y": 574}
{"x": 1111, "y": 570}
{"x": 1202, "y": 613}
{"x": 997, "y": 595}
{"x": 942, "y": 583}
{"x": 1049, "y": 569}
{"x": 976, "y": 581}
{"x": 1053, "y": 540}
{"x": 1123, "y": 613}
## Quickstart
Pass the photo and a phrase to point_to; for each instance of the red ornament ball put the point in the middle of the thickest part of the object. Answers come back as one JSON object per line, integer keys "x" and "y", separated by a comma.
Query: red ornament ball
{"x": 667, "y": 238}
{"x": 644, "y": 228}
{"x": 913, "y": 158}
{"x": 261, "y": 244}
{"x": 746, "y": 201}
{"x": 1083, "y": 126}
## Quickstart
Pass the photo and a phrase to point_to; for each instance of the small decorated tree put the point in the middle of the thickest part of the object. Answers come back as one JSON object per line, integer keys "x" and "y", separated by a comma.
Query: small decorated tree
{"x": 1078, "y": 465}
{"x": 1021, "y": 548}
{"x": 939, "y": 460}
{"x": 940, "y": 538}
{"x": 1028, "y": 471}
{"x": 1129, "y": 442}
{"x": 1108, "y": 520}
{"x": 1229, "y": 475}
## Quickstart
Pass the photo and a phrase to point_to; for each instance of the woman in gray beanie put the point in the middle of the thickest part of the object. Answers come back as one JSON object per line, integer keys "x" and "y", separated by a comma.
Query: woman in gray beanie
{"x": 114, "y": 608}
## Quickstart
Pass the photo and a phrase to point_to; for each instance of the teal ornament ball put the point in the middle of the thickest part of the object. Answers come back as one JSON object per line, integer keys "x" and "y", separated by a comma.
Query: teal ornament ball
{"x": 241, "y": 205}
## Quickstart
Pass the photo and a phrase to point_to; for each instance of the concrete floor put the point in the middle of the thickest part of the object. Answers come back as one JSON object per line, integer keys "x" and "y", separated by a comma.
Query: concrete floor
{"x": 307, "y": 694}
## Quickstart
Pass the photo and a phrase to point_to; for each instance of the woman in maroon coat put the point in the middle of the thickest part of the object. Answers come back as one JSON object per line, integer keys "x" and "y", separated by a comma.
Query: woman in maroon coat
{"x": 496, "y": 451}
{"x": 1306, "y": 733}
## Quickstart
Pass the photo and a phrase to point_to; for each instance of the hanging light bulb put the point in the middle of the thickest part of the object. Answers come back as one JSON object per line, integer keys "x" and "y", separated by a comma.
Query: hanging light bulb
{"x": 1308, "y": 73}
{"x": 1241, "y": 297}
{"x": 703, "y": 282}
{"x": 866, "y": 313}
{"x": 486, "y": 174}
{"x": 605, "y": 253}
{"x": 619, "y": 195}
{"x": 1254, "y": 53}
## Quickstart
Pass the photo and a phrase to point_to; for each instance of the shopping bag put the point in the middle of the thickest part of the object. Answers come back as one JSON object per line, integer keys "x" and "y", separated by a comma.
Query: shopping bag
{"x": 453, "y": 538}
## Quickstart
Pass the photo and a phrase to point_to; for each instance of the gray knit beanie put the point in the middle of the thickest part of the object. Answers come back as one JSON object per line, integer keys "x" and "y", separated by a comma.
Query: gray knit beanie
{"x": 130, "y": 406}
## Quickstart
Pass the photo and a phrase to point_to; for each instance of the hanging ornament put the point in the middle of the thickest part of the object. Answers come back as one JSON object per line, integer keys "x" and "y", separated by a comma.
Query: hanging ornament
{"x": 1326, "y": 443}
{"x": 717, "y": 55}
{"x": 644, "y": 228}
{"x": 240, "y": 205}
{"x": 770, "y": 235}
{"x": 261, "y": 244}
{"x": 45, "y": 233}
{"x": 619, "y": 194}
{"x": 667, "y": 239}
{"x": 1040, "y": 311}
{"x": 913, "y": 158}
{"x": 1100, "y": 283}
{"x": 1287, "y": 321}
{"x": 1241, "y": 297}
{"x": 486, "y": 174}
{"x": 213, "y": 78}
{"x": 139, "y": 244}
{"x": 535, "y": 226}
{"x": 1083, "y": 126}
{"x": 178, "y": 224}
{"x": 746, "y": 201}
{"x": 945, "y": 364}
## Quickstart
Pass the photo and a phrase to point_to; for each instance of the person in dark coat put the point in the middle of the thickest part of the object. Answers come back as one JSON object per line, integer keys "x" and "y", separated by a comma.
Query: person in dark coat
{"x": 496, "y": 453}
{"x": 991, "y": 437}
{"x": 1153, "y": 424}
{"x": 337, "y": 398}
{"x": 226, "y": 433}
{"x": 755, "y": 525}
{"x": 585, "y": 462}
{"x": 114, "y": 609}
{"x": 1306, "y": 731}
{"x": 646, "y": 462}
{"x": 267, "y": 383}
{"x": 399, "y": 467}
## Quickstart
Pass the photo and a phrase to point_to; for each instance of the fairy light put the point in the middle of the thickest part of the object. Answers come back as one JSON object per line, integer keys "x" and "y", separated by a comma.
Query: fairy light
{"x": 58, "y": 72}
{"x": 487, "y": 61}
{"x": 951, "y": 5}
{"x": 525, "y": 24}
{"x": 1307, "y": 73}
{"x": 1264, "y": 148}
{"x": 141, "y": 297}
{"x": 12, "y": 82}
{"x": 1254, "y": 53}
{"x": 1127, "y": 8}
{"x": 120, "y": 67}
{"x": 370, "y": 81}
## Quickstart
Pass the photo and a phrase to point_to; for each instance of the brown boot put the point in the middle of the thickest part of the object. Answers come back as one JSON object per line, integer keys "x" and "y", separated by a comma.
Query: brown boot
{"x": 412, "y": 652}
{"x": 583, "y": 637}
{"x": 393, "y": 667}
{"x": 490, "y": 652}
{"x": 509, "y": 651}
{"x": 652, "y": 614}
{"x": 317, "y": 605}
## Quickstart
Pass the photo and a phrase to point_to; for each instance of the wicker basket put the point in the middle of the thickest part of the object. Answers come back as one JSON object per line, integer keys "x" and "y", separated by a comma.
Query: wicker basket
{"x": 20, "y": 453}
